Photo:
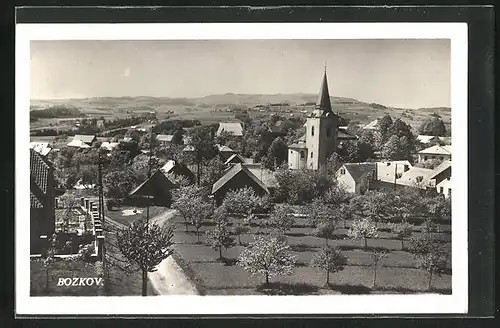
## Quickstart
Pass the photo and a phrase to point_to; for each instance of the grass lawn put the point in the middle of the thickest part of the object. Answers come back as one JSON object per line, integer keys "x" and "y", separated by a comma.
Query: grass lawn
{"x": 398, "y": 273}
{"x": 125, "y": 215}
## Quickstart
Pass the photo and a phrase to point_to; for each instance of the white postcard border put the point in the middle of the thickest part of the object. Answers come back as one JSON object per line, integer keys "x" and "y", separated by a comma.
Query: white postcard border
{"x": 457, "y": 302}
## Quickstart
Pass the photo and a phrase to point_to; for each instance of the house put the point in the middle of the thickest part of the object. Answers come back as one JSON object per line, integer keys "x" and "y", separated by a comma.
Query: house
{"x": 321, "y": 137}
{"x": 237, "y": 177}
{"x": 177, "y": 168}
{"x": 373, "y": 125}
{"x": 42, "y": 201}
{"x": 444, "y": 187}
{"x": 425, "y": 139}
{"x": 234, "y": 159}
{"x": 265, "y": 175}
{"x": 225, "y": 152}
{"x": 234, "y": 128}
{"x": 435, "y": 153}
{"x": 78, "y": 144}
{"x": 371, "y": 175}
{"x": 354, "y": 177}
{"x": 155, "y": 190}
{"x": 40, "y": 147}
{"x": 85, "y": 138}
{"x": 164, "y": 138}
{"x": 416, "y": 177}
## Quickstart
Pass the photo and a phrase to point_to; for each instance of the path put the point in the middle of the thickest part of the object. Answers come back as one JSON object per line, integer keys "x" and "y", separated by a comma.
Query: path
{"x": 170, "y": 279}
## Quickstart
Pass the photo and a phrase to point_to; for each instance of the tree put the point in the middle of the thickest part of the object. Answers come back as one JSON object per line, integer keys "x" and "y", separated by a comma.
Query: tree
{"x": 433, "y": 126}
{"x": 402, "y": 230}
{"x": 363, "y": 229}
{"x": 118, "y": 183}
{"x": 280, "y": 220}
{"x": 390, "y": 150}
{"x": 177, "y": 137}
{"x": 202, "y": 141}
{"x": 146, "y": 245}
{"x": 376, "y": 257}
{"x": 185, "y": 201}
{"x": 214, "y": 170}
{"x": 325, "y": 230}
{"x": 241, "y": 202}
{"x": 68, "y": 202}
{"x": 277, "y": 153}
{"x": 220, "y": 236}
{"x": 384, "y": 125}
{"x": 267, "y": 255}
{"x": 429, "y": 254}
{"x": 330, "y": 259}
{"x": 334, "y": 163}
{"x": 203, "y": 211}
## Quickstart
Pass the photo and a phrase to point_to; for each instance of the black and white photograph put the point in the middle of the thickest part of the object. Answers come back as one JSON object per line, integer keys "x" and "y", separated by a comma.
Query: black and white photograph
{"x": 223, "y": 165}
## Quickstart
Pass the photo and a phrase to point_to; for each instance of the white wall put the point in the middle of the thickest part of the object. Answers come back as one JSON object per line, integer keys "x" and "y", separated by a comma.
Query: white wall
{"x": 294, "y": 160}
{"x": 346, "y": 181}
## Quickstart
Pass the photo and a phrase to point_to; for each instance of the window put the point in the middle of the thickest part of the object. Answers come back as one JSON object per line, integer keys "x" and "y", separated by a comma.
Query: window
{"x": 311, "y": 154}
{"x": 302, "y": 155}
{"x": 425, "y": 158}
{"x": 441, "y": 190}
{"x": 342, "y": 171}
{"x": 312, "y": 131}
{"x": 433, "y": 157}
{"x": 441, "y": 158}
{"x": 406, "y": 168}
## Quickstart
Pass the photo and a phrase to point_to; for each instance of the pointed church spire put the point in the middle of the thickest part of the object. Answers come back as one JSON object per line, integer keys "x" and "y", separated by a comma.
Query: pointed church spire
{"x": 323, "y": 104}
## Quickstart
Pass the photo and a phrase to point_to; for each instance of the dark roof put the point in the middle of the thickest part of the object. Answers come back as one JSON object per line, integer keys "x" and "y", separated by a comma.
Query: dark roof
{"x": 357, "y": 170}
{"x": 344, "y": 135}
{"x": 41, "y": 179}
{"x": 323, "y": 101}
{"x": 158, "y": 178}
{"x": 231, "y": 173}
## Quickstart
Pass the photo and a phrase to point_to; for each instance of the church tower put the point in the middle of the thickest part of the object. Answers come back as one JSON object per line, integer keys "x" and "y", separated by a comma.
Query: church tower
{"x": 321, "y": 130}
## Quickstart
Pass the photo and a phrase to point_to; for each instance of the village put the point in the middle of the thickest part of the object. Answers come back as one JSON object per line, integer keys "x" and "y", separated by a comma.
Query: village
{"x": 263, "y": 203}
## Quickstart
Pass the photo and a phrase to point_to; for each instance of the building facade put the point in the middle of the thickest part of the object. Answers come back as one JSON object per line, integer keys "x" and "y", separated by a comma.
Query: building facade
{"x": 321, "y": 135}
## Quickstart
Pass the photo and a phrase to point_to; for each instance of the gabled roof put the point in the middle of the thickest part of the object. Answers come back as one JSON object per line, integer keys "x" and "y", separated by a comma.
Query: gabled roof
{"x": 78, "y": 144}
{"x": 176, "y": 167}
{"x": 344, "y": 135}
{"x": 440, "y": 168}
{"x": 87, "y": 138}
{"x": 40, "y": 147}
{"x": 231, "y": 173}
{"x": 40, "y": 174}
{"x": 267, "y": 176}
{"x": 410, "y": 177}
{"x": 357, "y": 170}
{"x": 437, "y": 150}
{"x": 223, "y": 148}
{"x": 235, "y": 128}
{"x": 157, "y": 178}
{"x": 373, "y": 125}
{"x": 235, "y": 158}
{"x": 164, "y": 137}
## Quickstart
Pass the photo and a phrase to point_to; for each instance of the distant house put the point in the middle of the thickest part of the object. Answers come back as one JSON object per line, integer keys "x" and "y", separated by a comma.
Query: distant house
{"x": 444, "y": 187}
{"x": 265, "y": 175}
{"x": 373, "y": 125}
{"x": 164, "y": 138}
{"x": 109, "y": 146}
{"x": 416, "y": 177}
{"x": 86, "y": 138}
{"x": 225, "y": 152}
{"x": 177, "y": 168}
{"x": 40, "y": 147}
{"x": 78, "y": 144}
{"x": 354, "y": 176}
{"x": 425, "y": 139}
{"x": 235, "y": 128}
{"x": 42, "y": 201}
{"x": 234, "y": 159}
{"x": 441, "y": 178}
{"x": 435, "y": 153}
{"x": 155, "y": 191}
{"x": 237, "y": 177}
{"x": 371, "y": 175}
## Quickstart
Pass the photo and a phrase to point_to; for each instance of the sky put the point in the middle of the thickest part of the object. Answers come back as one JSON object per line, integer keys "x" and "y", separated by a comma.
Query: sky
{"x": 399, "y": 73}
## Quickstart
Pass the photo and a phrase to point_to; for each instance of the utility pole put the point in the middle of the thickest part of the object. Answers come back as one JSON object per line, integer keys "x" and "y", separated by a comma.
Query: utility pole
{"x": 101, "y": 217}
{"x": 144, "y": 272}
{"x": 395, "y": 174}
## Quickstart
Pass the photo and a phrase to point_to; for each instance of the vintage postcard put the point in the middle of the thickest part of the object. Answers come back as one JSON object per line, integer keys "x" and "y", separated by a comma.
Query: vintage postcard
{"x": 272, "y": 168}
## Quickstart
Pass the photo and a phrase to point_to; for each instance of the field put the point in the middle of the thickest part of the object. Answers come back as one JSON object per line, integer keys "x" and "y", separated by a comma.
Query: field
{"x": 213, "y": 109}
{"x": 397, "y": 273}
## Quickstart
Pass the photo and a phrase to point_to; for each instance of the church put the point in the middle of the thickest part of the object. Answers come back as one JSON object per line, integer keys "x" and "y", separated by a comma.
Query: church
{"x": 322, "y": 135}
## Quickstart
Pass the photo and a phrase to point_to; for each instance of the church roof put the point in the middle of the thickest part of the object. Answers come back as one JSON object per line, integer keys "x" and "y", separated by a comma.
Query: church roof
{"x": 323, "y": 104}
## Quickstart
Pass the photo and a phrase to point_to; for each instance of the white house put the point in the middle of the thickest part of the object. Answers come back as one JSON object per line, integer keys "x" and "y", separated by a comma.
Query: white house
{"x": 436, "y": 152}
{"x": 444, "y": 187}
{"x": 234, "y": 128}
